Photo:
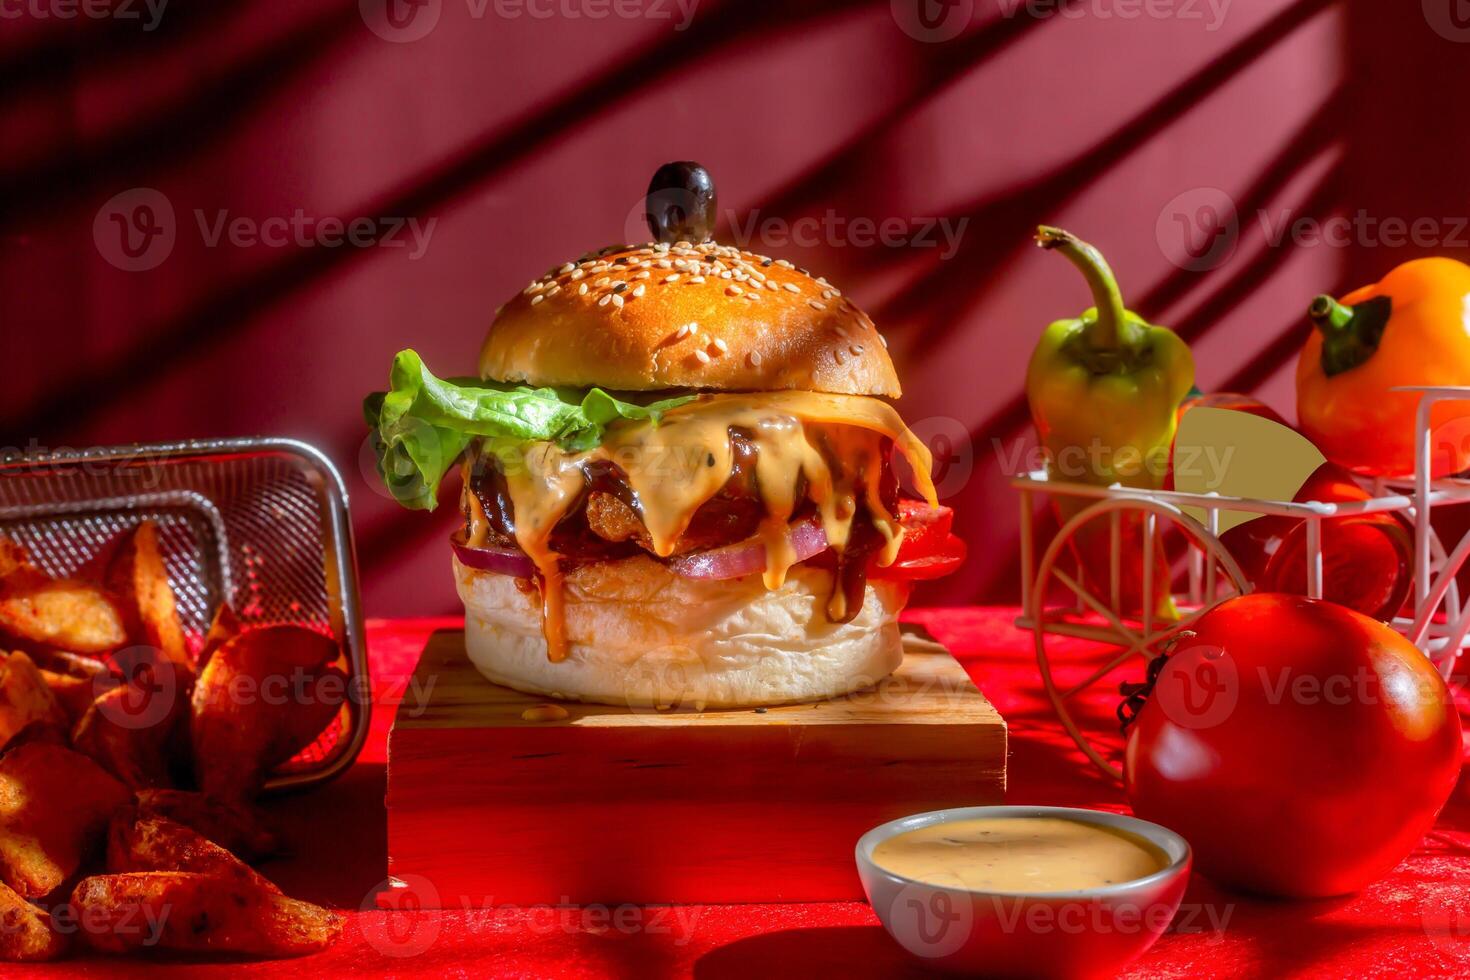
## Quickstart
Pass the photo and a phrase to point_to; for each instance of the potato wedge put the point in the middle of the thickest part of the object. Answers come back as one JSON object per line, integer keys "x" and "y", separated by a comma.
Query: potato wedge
{"x": 25, "y": 698}
{"x": 14, "y": 558}
{"x": 27, "y": 934}
{"x": 224, "y": 627}
{"x": 54, "y": 808}
{"x": 65, "y": 613}
{"x": 136, "y": 573}
{"x": 144, "y": 842}
{"x": 182, "y": 910}
{"x": 265, "y": 695}
{"x": 74, "y": 680}
{"x": 237, "y": 827}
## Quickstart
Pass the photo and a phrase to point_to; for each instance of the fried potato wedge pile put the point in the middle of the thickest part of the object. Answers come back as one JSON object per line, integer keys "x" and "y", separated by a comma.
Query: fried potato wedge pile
{"x": 131, "y": 754}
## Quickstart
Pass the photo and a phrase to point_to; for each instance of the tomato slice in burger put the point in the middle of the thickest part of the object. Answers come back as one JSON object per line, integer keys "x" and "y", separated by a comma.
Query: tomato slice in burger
{"x": 929, "y": 550}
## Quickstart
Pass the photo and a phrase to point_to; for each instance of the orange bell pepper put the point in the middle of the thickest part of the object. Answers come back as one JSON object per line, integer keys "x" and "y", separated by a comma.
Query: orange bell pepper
{"x": 1413, "y": 328}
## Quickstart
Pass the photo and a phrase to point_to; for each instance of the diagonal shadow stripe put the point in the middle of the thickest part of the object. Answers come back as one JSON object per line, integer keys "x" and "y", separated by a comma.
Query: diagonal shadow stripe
{"x": 940, "y": 298}
{"x": 201, "y": 119}
{"x": 213, "y": 319}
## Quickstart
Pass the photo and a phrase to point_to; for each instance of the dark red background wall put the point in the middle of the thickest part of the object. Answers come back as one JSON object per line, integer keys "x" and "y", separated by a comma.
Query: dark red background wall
{"x": 1177, "y": 134}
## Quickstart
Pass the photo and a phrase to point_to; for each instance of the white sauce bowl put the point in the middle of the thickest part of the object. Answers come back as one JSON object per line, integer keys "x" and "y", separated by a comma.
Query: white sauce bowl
{"x": 1088, "y": 932}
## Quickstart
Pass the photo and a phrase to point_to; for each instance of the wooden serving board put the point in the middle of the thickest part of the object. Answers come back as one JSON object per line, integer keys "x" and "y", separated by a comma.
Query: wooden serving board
{"x": 614, "y": 805}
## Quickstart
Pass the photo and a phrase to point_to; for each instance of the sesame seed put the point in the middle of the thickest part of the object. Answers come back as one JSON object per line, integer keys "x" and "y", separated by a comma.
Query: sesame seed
{"x": 606, "y": 298}
{"x": 721, "y": 346}
{"x": 619, "y": 286}
{"x": 578, "y": 274}
{"x": 682, "y": 332}
{"x": 568, "y": 267}
{"x": 603, "y": 281}
{"x": 638, "y": 289}
{"x": 672, "y": 278}
{"x": 791, "y": 287}
{"x": 617, "y": 301}
{"x": 816, "y": 304}
{"x": 840, "y": 354}
{"x": 536, "y": 299}
{"x": 884, "y": 340}
{"x": 701, "y": 357}
{"x": 783, "y": 263}
{"x": 554, "y": 290}
{"x": 856, "y": 348}
{"x": 733, "y": 290}
{"x": 771, "y": 284}
{"x": 755, "y": 358}
{"x": 582, "y": 289}
{"x": 696, "y": 278}
{"x": 826, "y": 294}
{"x": 665, "y": 264}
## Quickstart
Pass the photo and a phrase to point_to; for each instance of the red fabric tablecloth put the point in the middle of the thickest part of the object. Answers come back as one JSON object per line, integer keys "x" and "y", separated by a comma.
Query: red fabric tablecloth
{"x": 1416, "y": 922}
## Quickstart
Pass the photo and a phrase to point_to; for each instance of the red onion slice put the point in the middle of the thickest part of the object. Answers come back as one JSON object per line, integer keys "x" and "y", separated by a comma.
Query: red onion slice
{"x": 504, "y": 561}
{"x": 748, "y": 557}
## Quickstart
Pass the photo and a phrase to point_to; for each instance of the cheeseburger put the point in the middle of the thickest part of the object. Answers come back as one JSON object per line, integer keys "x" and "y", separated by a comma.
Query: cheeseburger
{"x": 678, "y": 481}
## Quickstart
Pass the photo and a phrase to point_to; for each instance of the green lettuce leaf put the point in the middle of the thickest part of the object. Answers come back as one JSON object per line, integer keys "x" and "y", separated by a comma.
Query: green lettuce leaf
{"x": 422, "y": 424}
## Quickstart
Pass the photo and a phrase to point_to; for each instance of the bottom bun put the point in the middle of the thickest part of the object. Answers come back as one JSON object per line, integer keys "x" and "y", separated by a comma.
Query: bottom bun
{"x": 641, "y": 635}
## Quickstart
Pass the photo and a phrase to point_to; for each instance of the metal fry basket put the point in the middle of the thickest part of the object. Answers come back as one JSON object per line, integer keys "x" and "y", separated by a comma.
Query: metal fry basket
{"x": 259, "y": 523}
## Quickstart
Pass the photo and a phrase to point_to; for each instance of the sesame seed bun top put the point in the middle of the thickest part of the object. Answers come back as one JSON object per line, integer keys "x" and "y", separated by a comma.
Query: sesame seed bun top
{"x": 646, "y": 317}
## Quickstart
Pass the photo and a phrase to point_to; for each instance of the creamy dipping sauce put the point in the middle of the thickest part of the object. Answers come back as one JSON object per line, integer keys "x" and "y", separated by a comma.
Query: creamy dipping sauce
{"x": 1019, "y": 854}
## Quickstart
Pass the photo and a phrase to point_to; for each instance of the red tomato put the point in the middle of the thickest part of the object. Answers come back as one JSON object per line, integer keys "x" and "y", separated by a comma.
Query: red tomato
{"x": 928, "y": 550}
{"x": 1367, "y": 561}
{"x": 1249, "y": 404}
{"x": 1301, "y": 748}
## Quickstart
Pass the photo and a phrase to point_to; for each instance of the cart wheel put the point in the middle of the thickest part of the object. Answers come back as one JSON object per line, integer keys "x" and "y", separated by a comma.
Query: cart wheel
{"x": 1067, "y": 611}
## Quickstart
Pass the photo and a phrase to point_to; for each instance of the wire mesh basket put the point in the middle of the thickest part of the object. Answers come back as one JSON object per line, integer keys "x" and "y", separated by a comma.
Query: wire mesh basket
{"x": 261, "y": 524}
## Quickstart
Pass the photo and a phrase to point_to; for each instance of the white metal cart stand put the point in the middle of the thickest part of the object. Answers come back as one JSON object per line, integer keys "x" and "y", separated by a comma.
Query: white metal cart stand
{"x": 1057, "y": 601}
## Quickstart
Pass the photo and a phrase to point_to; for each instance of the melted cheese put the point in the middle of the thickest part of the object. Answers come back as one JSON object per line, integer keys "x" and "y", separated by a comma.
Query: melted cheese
{"x": 675, "y": 467}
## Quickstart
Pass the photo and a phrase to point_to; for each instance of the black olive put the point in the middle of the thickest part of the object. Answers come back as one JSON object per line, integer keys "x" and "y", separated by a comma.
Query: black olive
{"x": 680, "y": 206}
